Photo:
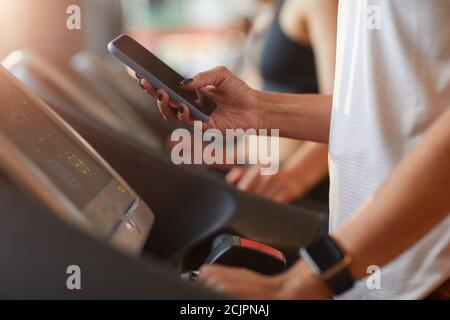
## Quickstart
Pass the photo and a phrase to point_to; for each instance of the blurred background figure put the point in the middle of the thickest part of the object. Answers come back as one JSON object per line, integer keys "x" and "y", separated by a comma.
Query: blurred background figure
{"x": 293, "y": 52}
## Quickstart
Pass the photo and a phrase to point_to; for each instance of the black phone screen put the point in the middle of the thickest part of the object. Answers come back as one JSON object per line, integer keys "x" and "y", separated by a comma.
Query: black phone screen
{"x": 164, "y": 73}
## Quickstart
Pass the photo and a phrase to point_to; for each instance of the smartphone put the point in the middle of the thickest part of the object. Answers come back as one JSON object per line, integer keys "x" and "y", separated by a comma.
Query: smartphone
{"x": 161, "y": 76}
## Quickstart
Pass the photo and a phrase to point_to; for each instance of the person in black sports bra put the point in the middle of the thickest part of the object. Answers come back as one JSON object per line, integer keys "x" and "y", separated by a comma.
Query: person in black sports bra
{"x": 286, "y": 65}
{"x": 298, "y": 56}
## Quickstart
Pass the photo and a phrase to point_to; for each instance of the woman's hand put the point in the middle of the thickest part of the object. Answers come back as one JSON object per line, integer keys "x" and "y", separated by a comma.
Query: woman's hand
{"x": 296, "y": 283}
{"x": 237, "y": 102}
{"x": 241, "y": 283}
{"x": 303, "y": 170}
{"x": 283, "y": 187}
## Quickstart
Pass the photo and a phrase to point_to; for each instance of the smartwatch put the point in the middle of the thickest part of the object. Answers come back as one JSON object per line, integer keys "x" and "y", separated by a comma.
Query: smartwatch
{"x": 326, "y": 259}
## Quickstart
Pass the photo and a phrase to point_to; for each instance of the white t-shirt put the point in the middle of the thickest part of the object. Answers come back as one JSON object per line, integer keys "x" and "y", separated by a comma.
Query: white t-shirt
{"x": 392, "y": 83}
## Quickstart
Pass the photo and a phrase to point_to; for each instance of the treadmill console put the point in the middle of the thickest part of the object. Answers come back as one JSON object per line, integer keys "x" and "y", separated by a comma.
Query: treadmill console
{"x": 41, "y": 153}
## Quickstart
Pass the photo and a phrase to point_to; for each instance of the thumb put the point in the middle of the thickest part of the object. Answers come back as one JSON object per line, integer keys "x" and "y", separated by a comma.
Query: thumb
{"x": 214, "y": 77}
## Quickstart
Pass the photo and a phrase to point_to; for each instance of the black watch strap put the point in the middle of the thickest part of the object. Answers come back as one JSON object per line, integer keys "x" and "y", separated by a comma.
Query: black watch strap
{"x": 330, "y": 263}
{"x": 340, "y": 282}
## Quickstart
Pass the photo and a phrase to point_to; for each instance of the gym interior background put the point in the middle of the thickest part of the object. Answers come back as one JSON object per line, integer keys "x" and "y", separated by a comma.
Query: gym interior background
{"x": 57, "y": 64}
{"x": 71, "y": 71}
{"x": 203, "y": 32}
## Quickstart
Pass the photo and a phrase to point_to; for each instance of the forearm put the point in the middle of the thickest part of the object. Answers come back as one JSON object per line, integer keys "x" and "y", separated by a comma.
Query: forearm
{"x": 412, "y": 201}
{"x": 304, "y": 117}
{"x": 309, "y": 164}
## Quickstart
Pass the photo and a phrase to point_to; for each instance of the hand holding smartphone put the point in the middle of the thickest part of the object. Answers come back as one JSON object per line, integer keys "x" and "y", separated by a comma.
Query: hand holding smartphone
{"x": 161, "y": 76}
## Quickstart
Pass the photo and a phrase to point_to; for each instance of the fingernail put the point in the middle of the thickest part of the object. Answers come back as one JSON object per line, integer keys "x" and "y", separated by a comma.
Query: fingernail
{"x": 181, "y": 109}
{"x": 160, "y": 96}
{"x": 141, "y": 85}
{"x": 186, "y": 81}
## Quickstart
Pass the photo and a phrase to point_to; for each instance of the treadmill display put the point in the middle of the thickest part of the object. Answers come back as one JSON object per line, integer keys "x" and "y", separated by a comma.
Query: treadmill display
{"x": 39, "y": 138}
{"x": 83, "y": 180}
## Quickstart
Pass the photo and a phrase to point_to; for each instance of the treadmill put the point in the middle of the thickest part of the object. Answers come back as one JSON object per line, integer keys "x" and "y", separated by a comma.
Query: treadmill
{"x": 63, "y": 88}
{"x": 192, "y": 206}
{"x": 110, "y": 79}
{"x": 63, "y": 204}
{"x": 48, "y": 157}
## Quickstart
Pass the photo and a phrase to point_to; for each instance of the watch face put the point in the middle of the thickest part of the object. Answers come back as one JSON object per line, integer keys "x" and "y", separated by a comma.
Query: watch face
{"x": 325, "y": 254}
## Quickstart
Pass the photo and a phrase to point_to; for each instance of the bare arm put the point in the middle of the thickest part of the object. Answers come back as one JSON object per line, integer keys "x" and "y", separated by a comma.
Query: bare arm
{"x": 307, "y": 117}
{"x": 413, "y": 201}
{"x": 304, "y": 117}
{"x": 309, "y": 163}
{"x": 321, "y": 21}
{"x": 410, "y": 204}
{"x": 313, "y": 22}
